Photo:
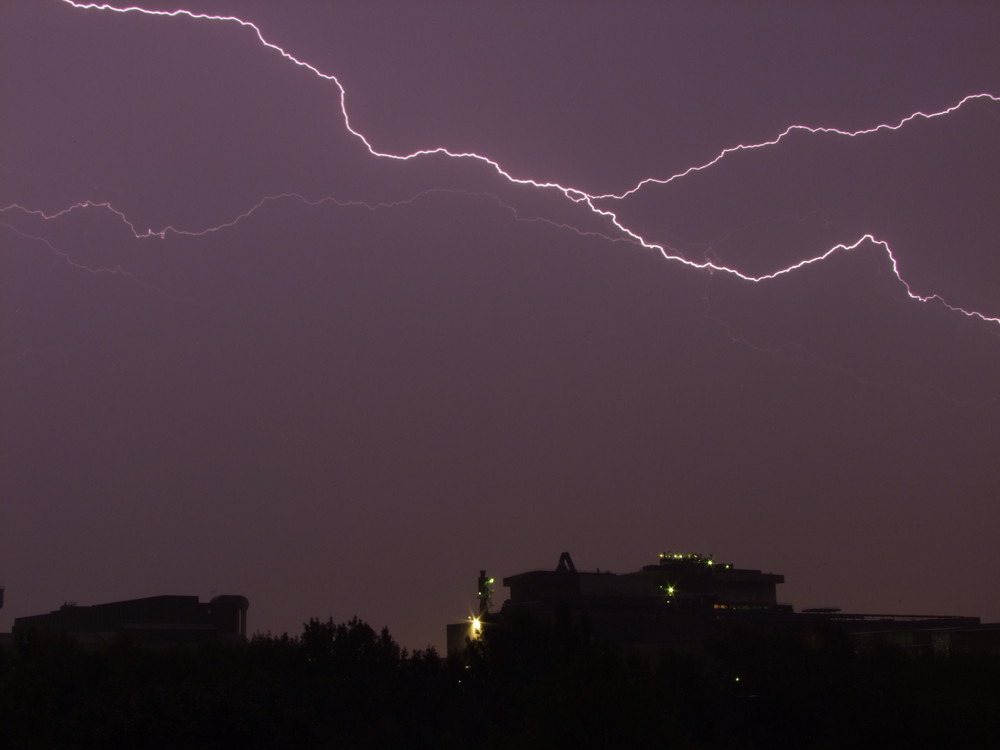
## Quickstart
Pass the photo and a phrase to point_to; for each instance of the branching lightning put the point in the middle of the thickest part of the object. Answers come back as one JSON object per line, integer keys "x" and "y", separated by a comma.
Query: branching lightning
{"x": 596, "y": 203}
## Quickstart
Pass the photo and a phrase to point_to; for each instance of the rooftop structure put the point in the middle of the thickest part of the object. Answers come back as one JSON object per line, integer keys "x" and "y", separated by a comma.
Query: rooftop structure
{"x": 700, "y": 579}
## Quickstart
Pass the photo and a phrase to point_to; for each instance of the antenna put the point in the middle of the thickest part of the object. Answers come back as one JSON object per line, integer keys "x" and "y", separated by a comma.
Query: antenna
{"x": 485, "y": 589}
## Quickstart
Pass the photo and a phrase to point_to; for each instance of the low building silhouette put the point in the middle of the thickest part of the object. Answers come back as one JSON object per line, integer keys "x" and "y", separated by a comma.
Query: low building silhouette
{"x": 154, "y": 620}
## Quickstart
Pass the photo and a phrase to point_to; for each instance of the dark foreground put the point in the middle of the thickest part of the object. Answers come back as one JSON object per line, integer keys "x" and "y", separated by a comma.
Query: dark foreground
{"x": 348, "y": 686}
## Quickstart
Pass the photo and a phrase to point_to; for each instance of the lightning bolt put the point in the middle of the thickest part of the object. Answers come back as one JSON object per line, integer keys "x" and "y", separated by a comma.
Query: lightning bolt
{"x": 596, "y": 203}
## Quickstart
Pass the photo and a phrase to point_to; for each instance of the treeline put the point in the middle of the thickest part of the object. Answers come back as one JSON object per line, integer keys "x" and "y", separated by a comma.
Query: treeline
{"x": 522, "y": 685}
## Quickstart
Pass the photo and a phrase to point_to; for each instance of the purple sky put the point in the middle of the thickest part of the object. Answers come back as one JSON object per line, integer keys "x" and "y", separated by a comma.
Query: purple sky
{"x": 342, "y": 410}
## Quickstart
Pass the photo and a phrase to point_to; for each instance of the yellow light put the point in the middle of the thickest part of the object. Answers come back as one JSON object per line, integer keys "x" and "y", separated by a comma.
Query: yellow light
{"x": 477, "y": 626}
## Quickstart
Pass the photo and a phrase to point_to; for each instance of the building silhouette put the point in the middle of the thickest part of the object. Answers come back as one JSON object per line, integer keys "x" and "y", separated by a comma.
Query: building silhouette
{"x": 154, "y": 620}
{"x": 686, "y": 599}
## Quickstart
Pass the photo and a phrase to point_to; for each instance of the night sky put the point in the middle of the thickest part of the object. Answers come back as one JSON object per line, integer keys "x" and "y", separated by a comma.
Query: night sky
{"x": 264, "y": 361}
